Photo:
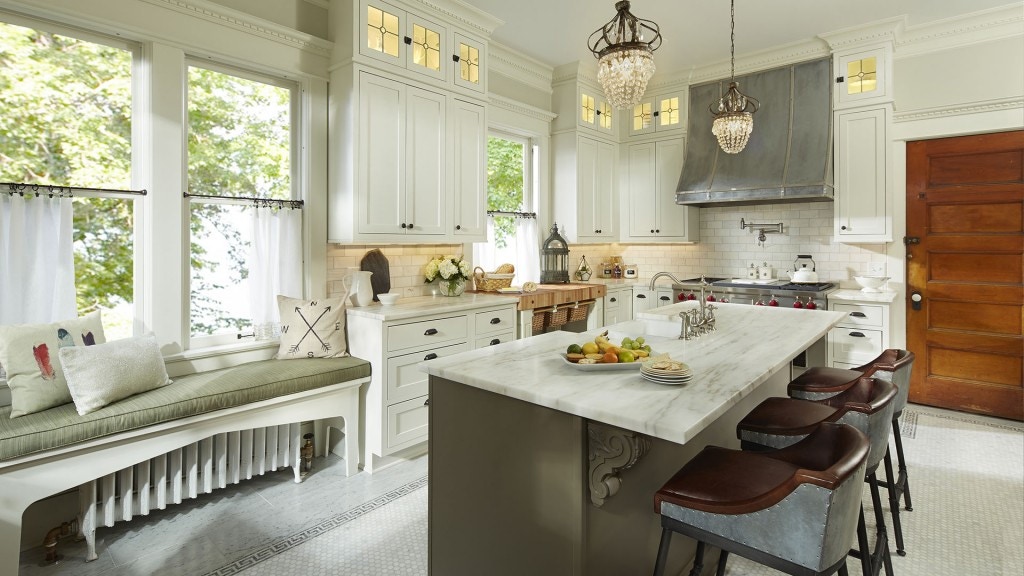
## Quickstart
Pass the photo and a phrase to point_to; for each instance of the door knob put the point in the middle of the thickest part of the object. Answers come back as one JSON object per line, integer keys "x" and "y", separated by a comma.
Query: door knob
{"x": 915, "y": 300}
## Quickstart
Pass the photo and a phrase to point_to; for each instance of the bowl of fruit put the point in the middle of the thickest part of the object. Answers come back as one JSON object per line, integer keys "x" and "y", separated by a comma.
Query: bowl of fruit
{"x": 601, "y": 353}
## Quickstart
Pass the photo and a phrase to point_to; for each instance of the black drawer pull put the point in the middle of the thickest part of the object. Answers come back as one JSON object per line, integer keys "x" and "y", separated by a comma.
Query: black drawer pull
{"x": 641, "y": 295}
{"x": 495, "y": 341}
{"x": 426, "y": 402}
{"x": 665, "y": 298}
{"x": 430, "y": 332}
{"x": 613, "y": 300}
{"x": 430, "y": 356}
{"x": 495, "y": 320}
{"x": 858, "y": 315}
{"x": 858, "y": 335}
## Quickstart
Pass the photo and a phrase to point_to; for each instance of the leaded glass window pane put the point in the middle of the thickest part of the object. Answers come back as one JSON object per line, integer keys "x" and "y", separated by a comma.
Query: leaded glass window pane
{"x": 669, "y": 111}
{"x": 469, "y": 63}
{"x": 381, "y": 31}
{"x": 587, "y": 108}
{"x": 643, "y": 115}
{"x": 862, "y": 76}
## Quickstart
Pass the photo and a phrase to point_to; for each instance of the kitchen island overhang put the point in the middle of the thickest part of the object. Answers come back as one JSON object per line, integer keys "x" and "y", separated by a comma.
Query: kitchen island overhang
{"x": 521, "y": 442}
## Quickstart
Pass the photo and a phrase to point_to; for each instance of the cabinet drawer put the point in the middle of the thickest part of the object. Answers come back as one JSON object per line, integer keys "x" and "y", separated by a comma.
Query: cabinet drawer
{"x": 495, "y": 321}
{"x": 404, "y": 378}
{"x": 427, "y": 332}
{"x": 855, "y": 345}
{"x": 495, "y": 339}
{"x": 408, "y": 423}
{"x": 860, "y": 314}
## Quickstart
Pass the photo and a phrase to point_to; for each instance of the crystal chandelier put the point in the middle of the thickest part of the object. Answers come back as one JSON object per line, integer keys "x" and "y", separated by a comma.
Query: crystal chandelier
{"x": 733, "y": 121}
{"x": 625, "y": 61}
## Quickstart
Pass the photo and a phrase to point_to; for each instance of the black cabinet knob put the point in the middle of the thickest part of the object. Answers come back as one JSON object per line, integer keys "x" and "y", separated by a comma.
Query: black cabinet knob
{"x": 458, "y": 227}
{"x": 495, "y": 320}
{"x": 430, "y": 356}
{"x": 430, "y": 332}
{"x": 642, "y": 296}
{"x": 403, "y": 225}
{"x": 842, "y": 227}
{"x": 455, "y": 57}
{"x": 495, "y": 341}
{"x": 408, "y": 40}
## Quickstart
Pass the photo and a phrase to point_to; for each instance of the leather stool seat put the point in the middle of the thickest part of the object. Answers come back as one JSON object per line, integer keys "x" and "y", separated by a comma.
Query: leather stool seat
{"x": 895, "y": 366}
{"x": 866, "y": 404}
{"x": 737, "y": 500}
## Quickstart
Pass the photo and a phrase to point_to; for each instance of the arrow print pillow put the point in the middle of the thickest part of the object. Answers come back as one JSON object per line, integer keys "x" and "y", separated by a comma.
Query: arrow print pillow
{"x": 312, "y": 328}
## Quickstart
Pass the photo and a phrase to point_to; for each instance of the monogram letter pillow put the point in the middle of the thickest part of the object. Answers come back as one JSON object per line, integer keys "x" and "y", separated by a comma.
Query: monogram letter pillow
{"x": 30, "y": 355}
{"x": 312, "y": 328}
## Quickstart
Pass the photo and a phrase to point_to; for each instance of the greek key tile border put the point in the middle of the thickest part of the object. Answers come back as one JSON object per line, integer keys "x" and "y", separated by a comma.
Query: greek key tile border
{"x": 313, "y": 531}
{"x": 990, "y": 422}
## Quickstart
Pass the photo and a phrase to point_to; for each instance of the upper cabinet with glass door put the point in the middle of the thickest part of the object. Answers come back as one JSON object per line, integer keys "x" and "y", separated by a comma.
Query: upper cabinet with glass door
{"x": 862, "y": 77}
{"x": 404, "y": 39}
{"x": 595, "y": 112}
{"x": 660, "y": 113}
{"x": 411, "y": 41}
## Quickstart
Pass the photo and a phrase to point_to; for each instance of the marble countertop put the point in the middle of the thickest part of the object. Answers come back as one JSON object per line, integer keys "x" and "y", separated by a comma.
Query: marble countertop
{"x": 417, "y": 306}
{"x": 751, "y": 343}
{"x": 847, "y": 295}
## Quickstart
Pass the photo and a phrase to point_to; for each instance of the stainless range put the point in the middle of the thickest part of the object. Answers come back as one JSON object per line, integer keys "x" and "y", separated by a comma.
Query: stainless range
{"x": 808, "y": 296}
{"x": 812, "y": 295}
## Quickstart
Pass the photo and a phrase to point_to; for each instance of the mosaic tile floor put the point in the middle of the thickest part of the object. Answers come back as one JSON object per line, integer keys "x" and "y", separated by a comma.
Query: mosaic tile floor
{"x": 966, "y": 474}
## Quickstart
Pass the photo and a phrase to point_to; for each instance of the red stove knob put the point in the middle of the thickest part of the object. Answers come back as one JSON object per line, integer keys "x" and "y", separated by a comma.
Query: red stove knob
{"x": 811, "y": 305}
{"x": 758, "y": 302}
{"x": 724, "y": 300}
{"x": 773, "y": 301}
{"x": 681, "y": 297}
{"x": 798, "y": 303}
{"x": 711, "y": 297}
{"x": 691, "y": 296}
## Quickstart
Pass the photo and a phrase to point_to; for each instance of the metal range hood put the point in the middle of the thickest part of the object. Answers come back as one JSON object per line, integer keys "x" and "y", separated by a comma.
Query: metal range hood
{"x": 789, "y": 156}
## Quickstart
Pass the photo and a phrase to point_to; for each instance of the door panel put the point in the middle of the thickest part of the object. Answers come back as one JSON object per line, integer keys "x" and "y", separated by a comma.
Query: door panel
{"x": 965, "y": 205}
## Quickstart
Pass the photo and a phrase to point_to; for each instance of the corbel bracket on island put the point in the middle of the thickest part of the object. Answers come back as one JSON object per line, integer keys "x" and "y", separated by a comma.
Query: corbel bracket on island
{"x": 610, "y": 451}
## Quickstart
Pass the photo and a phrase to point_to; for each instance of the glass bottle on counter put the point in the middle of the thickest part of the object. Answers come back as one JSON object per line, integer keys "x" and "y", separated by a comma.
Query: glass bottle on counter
{"x": 617, "y": 271}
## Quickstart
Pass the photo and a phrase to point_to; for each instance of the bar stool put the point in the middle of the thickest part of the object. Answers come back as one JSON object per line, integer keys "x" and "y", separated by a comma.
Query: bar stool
{"x": 893, "y": 365}
{"x": 867, "y": 404}
{"x": 737, "y": 501}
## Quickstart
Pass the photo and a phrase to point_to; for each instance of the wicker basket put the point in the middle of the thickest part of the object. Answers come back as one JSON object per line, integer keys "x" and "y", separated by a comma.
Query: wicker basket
{"x": 492, "y": 281}
{"x": 579, "y": 312}
{"x": 558, "y": 317}
{"x": 538, "y": 322}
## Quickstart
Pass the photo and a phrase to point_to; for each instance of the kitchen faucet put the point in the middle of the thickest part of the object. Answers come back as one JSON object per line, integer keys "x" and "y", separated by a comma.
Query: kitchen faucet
{"x": 659, "y": 275}
{"x": 698, "y": 321}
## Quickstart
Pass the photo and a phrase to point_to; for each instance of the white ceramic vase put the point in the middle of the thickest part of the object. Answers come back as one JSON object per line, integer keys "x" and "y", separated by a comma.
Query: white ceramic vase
{"x": 357, "y": 287}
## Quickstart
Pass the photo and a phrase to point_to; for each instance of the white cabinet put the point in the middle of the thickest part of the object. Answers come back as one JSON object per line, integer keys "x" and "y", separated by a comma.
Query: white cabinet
{"x": 469, "y": 171}
{"x": 618, "y": 304}
{"x": 863, "y": 204}
{"x": 404, "y": 39}
{"x": 401, "y": 172}
{"x": 394, "y": 403}
{"x": 659, "y": 113}
{"x": 861, "y": 336}
{"x": 643, "y": 300}
{"x": 650, "y": 198}
{"x": 586, "y": 199}
{"x": 863, "y": 76}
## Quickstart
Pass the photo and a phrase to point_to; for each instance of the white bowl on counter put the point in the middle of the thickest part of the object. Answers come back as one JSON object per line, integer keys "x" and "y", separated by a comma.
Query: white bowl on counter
{"x": 871, "y": 283}
{"x": 388, "y": 299}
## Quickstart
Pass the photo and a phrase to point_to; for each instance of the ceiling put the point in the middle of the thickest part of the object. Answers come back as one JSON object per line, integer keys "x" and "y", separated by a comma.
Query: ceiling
{"x": 696, "y": 32}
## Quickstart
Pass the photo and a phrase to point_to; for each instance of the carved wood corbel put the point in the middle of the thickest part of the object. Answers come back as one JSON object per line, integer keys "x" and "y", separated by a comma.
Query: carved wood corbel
{"x": 611, "y": 450}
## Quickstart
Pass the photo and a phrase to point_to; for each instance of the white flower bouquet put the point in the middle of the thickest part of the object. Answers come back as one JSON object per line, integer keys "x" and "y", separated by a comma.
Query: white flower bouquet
{"x": 450, "y": 271}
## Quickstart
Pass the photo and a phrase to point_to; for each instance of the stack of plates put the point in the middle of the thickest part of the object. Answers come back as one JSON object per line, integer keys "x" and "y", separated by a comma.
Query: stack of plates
{"x": 666, "y": 371}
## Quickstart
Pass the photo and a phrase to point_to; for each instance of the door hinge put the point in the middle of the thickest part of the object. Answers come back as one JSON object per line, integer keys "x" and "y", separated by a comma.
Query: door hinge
{"x": 908, "y": 240}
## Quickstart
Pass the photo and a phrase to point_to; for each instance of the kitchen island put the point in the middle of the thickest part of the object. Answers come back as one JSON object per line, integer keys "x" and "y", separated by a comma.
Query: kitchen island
{"x": 540, "y": 467}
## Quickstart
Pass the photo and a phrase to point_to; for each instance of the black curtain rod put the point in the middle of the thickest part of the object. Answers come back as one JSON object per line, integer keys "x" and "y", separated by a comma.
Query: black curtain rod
{"x": 50, "y": 189}
{"x": 265, "y": 202}
{"x": 513, "y": 214}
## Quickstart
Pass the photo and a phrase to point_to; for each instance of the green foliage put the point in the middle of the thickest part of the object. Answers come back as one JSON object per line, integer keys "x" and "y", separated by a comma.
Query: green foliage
{"x": 504, "y": 184}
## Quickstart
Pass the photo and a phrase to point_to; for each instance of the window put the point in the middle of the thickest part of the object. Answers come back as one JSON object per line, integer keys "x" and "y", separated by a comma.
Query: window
{"x": 66, "y": 119}
{"x": 239, "y": 147}
{"x": 512, "y": 225}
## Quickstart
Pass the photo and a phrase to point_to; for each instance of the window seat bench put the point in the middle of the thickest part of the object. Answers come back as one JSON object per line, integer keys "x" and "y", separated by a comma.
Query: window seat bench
{"x": 230, "y": 414}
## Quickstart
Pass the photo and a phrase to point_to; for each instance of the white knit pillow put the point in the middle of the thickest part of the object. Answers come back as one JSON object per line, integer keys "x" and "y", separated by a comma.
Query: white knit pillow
{"x": 105, "y": 373}
{"x": 312, "y": 328}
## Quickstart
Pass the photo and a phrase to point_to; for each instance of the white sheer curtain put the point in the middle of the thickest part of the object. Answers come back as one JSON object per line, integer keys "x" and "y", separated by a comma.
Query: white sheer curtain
{"x": 522, "y": 250}
{"x": 37, "y": 264}
{"x": 275, "y": 265}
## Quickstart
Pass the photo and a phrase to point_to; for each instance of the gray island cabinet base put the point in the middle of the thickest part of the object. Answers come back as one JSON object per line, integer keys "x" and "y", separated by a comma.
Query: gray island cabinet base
{"x": 510, "y": 472}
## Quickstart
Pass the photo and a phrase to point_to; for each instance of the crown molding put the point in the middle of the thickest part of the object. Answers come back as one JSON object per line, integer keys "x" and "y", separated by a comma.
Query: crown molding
{"x": 266, "y": 29}
{"x": 763, "y": 60}
{"x": 519, "y": 108}
{"x": 462, "y": 13}
{"x": 980, "y": 107}
{"x": 578, "y": 71}
{"x": 519, "y": 67}
{"x": 325, "y": 4}
{"x": 872, "y": 34}
{"x": 975, "y": 28}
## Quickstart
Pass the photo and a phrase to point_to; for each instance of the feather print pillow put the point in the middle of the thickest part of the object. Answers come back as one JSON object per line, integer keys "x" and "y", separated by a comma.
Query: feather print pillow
{"x": 30, "y": 355}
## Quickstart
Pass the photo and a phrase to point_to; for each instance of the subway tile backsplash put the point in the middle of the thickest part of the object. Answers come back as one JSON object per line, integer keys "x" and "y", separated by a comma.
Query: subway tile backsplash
{"x": 724, "y": 250}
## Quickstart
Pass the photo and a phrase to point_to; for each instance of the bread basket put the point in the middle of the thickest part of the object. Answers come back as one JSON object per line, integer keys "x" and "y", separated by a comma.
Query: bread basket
{"x": 493, "y": 281}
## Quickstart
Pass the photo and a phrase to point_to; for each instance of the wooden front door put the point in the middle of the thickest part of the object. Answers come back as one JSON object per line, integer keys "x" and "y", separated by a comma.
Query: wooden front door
{"x": 965, "y": 227}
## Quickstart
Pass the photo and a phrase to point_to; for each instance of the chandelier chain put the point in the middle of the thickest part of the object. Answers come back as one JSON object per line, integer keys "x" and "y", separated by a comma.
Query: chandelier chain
{"x": 732, "y": 40}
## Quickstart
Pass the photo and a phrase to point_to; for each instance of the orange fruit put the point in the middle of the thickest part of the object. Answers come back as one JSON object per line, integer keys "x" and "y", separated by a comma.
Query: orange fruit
{"x": 609, "y": 358}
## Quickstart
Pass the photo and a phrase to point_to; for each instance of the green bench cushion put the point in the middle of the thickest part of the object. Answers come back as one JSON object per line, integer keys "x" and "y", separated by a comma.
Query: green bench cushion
{"x": 186, "y": 396}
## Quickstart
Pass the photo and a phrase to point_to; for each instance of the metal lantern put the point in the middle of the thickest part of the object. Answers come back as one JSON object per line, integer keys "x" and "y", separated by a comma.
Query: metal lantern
{"x": 554, "y": 259}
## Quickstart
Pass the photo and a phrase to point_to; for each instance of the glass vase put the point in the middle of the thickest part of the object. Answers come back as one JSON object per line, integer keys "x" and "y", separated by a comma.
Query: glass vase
{"x": 451, "y": 287}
